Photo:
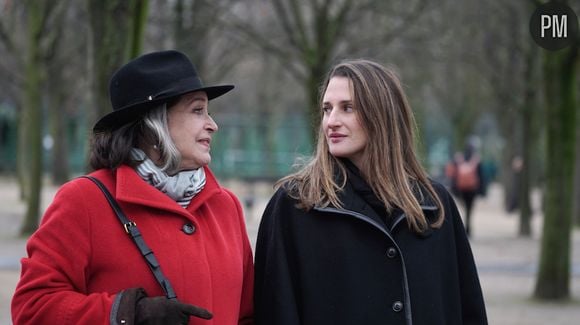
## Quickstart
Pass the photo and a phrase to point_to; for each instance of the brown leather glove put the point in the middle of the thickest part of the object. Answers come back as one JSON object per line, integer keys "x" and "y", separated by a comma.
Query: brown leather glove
{"x": 136, "y": 308}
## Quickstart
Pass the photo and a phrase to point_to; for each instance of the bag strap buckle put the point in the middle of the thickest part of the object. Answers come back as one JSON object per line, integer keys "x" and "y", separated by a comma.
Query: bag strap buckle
{"x": 129, "y": 224}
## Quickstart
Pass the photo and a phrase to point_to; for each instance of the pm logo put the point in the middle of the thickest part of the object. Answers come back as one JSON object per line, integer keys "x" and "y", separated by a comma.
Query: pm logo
{"x": 555, "y": 23}
{"x": 554, "y": 26}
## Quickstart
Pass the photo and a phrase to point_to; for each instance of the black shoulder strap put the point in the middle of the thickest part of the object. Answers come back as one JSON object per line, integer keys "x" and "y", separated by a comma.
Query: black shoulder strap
{"x": 131, "y": 229}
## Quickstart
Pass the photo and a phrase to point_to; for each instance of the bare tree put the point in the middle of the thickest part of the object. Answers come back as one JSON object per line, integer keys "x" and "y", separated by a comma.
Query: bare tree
{"x": 199, "y": 32}
{"x": 508, "y": 67}
{"x": 11, "y": 43}
{"x": 576, "y": 210}
{"x": 117, "y": 29}
{"x": 517, "y": 114}
{"x": 13, "y": 33}
{"x": 307, "y": 36}
{"x": 36, "y": 40}
{"x": 560, "y": 77}
{"x": 61, "y": 84}
{"x": 529, "y": 138}
{"x": 39, "y": 15}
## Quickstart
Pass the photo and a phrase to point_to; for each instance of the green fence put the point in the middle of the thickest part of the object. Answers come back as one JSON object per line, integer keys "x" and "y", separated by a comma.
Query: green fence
{"x": 247, "y": 146}
{"x": 258, "y": 147}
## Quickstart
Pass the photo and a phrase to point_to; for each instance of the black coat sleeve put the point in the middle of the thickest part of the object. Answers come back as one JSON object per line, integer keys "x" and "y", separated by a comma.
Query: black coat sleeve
{"x": 276, "y": 289}
{"x": 472, "y": 303}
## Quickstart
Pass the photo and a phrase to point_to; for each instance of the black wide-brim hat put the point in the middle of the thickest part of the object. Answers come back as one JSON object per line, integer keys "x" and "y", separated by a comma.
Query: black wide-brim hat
{"x": 149, "y": 81}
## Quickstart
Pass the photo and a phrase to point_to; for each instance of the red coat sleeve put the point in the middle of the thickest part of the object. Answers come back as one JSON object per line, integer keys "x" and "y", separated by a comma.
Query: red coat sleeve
{"x": 52, "y": 287}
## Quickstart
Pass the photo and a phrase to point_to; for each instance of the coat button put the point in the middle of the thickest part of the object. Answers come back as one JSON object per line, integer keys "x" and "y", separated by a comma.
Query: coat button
{"x": 397, "y": 306}
{"x": 188, "y": 229}
{"x": 391, "y": 252}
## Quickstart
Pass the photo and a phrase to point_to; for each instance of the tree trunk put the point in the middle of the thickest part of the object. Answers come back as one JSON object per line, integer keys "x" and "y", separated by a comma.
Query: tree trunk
{"x": 22, "y": 157}
{"x": 312, "y": 90}
{"x": 553, "y": 281}
{"x": 58, "y": 130}
{"x": 58, "y": 92}
{"x": 529, "y": 140}
{"x": 576, "y": 210}
{"x": 117, "y": 28}
{"x": 110, "y": 31}
{"x": 316, "y": 75}
{"x": 32, "y": 117}
{"x": 140, "y": 9}
{"x": 510, "y": 127}
{"x": 525, "y": 228}
{"x": 190, "y": 32}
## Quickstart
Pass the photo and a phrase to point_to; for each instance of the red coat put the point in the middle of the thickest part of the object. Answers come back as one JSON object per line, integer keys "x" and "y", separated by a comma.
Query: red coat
{"x": 80, "y": 257}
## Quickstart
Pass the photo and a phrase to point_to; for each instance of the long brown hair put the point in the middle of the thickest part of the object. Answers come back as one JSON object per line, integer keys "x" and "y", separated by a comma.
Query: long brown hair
{"x": 390, "y": 167}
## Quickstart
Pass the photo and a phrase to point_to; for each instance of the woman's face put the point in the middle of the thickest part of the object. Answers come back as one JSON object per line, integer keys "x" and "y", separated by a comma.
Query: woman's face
{"x": 191, "y": 129}
{"x": 344, "y": 134}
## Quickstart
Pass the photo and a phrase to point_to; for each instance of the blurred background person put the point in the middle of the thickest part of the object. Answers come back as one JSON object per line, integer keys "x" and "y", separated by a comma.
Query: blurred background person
{"x": 513, "y": 202}
{"x": 467, "y": 179}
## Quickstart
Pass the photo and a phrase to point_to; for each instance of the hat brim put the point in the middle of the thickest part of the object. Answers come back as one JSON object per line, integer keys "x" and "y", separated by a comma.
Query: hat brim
{"x": 130, "y": 112}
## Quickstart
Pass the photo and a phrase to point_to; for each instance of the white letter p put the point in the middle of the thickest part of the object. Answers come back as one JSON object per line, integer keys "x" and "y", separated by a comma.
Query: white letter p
{"x": 546, "y": 24}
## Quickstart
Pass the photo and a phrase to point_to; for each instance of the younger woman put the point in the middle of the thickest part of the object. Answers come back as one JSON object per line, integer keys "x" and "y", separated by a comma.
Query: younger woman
{"x": 360, "y": 235}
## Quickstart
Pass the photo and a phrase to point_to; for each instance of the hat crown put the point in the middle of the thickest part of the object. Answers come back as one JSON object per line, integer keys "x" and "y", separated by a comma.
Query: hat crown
{"x": 149, "y": 76}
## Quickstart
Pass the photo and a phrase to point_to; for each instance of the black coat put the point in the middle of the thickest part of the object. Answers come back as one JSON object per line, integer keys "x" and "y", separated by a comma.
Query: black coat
{"x": 345, "y": 266}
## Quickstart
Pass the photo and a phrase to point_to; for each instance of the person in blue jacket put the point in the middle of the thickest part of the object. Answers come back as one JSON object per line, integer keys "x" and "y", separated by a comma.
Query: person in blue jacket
{"x": 360, "y": 234}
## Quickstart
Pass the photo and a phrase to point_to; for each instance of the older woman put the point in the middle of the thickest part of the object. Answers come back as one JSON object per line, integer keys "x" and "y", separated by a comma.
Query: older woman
{"x": 152, "y": 154}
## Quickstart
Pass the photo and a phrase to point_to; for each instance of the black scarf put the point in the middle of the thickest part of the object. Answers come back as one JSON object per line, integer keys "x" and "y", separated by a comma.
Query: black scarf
{"x": 363, "y": 189}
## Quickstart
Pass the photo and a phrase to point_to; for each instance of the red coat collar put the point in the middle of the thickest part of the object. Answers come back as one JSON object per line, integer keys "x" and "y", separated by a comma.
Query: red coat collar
{"x": 131, "y": 188}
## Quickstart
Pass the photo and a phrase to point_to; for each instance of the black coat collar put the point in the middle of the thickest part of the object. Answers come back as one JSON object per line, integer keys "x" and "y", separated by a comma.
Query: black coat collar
{"x": 351, "y": 197}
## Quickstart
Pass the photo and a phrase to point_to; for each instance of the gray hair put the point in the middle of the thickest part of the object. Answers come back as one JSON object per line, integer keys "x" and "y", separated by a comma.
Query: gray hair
{"x": 110, "y": 149}
{"x": 155, "y": 124}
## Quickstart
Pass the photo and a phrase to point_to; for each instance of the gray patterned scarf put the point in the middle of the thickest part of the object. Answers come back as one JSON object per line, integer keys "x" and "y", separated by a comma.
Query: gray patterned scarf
{"x": 181, "y": 187}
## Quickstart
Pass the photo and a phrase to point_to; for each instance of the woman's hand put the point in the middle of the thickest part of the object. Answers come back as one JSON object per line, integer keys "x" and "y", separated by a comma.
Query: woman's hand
{"x": 136, "y": 308}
